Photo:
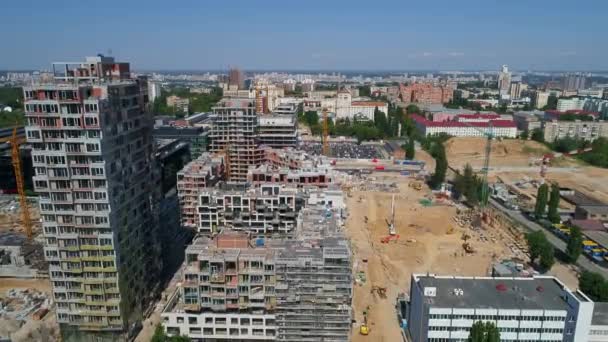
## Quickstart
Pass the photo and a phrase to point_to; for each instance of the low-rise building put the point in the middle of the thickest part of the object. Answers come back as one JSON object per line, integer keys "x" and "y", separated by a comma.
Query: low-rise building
{"x": 499, "y": 128}
{"x": 539, "y": 308}
{"x": 349, "y": 109}
{"x": 178, "y": 103}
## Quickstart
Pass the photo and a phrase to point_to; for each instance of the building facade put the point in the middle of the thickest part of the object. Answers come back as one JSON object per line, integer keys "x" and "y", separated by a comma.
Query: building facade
{"x": 586, "y": 130}
{"x": 236, "y": 288}
{"x": 154, "y": 91}
{"x": 443, "y": 308}
{"x": 426, "y": 93}
{"x": 92, "y": 150}
{"x": 499, "y": 128}
{"x": 540, "y": 99}
{"x": 178, "y": 103}
{"x": 277, "y": 131}
{"x": 504, "y": 80}
{"x": 349, "y": 109}
{"x": 234, "y": 131}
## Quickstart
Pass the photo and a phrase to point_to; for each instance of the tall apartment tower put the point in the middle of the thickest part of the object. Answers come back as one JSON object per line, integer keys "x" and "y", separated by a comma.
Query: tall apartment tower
{"x": 92, "y": 152}
{"x": 575, "y": 81}
{"x": 234, "y": 133}
{"x": 236, "y": 78}
{"x": 504, "y": 80}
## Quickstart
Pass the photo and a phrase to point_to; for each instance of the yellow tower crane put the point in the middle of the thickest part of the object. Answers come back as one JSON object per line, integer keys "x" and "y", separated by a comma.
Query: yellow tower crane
{"x": 16, "y": 158}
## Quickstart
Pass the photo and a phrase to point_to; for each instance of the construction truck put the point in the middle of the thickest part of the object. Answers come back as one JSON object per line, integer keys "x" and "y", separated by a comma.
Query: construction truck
{"x": 364, "y": 328}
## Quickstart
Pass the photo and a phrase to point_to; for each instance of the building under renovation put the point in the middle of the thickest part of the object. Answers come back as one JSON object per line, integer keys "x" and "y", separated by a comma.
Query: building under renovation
{"x": 234, "y": 133}
{"x": 241, "y": 287}
{"x": 201, "y": 173}
{"x": 268, "y": 209}
{"x": 277, "y": 131}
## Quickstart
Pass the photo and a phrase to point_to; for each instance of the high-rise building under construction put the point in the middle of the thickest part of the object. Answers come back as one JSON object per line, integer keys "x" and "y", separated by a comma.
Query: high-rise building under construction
{"x": 92, "y": 152}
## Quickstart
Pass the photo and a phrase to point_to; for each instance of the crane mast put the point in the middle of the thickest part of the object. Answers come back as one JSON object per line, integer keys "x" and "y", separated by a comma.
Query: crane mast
{"x": 16, "y": 159}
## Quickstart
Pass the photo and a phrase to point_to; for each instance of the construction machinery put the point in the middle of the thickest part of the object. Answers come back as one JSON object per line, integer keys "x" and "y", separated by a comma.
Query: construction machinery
{"x": 325, "y": 133}
{"x": 391, "y": 225}
{"x": 415, "y": 185}
{"x": 468, "y": 248}
{"x": 450, "y": 230}
{"x": 364, "y": 328}
{"x": 381, "y": 291}
{"x": 16, "y": 159}
{"x": 389, "y": 238}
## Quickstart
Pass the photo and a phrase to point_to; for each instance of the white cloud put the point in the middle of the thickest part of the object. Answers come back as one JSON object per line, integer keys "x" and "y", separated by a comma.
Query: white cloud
{"x": 456, "y": 54}
{"x": 427, "y": 54}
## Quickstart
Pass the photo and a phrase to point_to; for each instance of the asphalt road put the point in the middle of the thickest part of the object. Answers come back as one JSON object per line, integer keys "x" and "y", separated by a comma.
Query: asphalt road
{"x": 558, "y": 243}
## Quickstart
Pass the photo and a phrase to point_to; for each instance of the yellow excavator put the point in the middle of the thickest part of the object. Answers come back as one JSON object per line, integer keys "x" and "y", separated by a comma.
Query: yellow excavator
{"x": 364, "y": 328}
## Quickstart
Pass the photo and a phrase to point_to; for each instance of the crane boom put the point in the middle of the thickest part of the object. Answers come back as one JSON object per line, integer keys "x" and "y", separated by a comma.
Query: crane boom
{"x": 16, "y": 159}
{"x": 489, "y": 134}
{"x": 325, "y": 133}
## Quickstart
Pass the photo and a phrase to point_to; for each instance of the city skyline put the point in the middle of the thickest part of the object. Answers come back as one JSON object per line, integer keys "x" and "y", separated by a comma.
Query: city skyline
{"x": 321, "y": 36}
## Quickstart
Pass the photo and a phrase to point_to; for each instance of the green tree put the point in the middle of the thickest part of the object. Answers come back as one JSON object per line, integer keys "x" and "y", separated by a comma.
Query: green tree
{"x": 551, "y": 103}
{"x": 541, "y": 200}
{"x": 484, "y": 332}
{"x": 470, "y": 184}
{"x": 574, "y": 247}
{"x": 160, "y": 336}
{"x": 410, "y": 149}
{"x": 524, "y": 135}
{"x": 311, "y": 118}
{"x": 412, "y": 109}
{"x": 441, "y": 166}
{"x": 593, "y": 285}
{"x": 536, "y": 241}
{"x": 538, "y": 135}
{"x": 565, "y": 145}
{"x": 381, "y": 122}
{"x": 364, "y": 91}
{"x": 547, "y": 256}
{"x": 552, "y": 211}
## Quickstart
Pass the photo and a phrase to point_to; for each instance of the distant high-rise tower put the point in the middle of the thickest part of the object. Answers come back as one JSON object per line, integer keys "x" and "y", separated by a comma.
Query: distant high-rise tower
{"x": 236, "y": 78}
{"x": 572, "y": 82}
{"x": 92, "y": 152}
{"x": 504, "y": 80}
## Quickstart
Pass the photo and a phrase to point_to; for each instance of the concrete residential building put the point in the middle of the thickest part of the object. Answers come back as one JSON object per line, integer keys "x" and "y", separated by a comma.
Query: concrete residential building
{"x": 277, "y": 131}
{"x": 234, "y": 131}
{"x": 575, "y": 81}
{"x": 426, "y": 93}
{"x": 236, "y": 78}
{"x": 178, "y": 103}
{"x": 587, "y": 130}
{"x": 540, "y": 99}
{"x": 564, "y": 105}
{"x": 269, "y": 209}
{"x": 196, "y": 137}
{"x": 504, "y": 80}
{"x": 540, "y": 308}
{"x": 154, "y": 91}
{"x": 237, "y": 288}
{"x": 320, "y": 176}
{"x": 92, "y": 150}
{"x": 516, "y": 89}
{"x": 201, "y": 173}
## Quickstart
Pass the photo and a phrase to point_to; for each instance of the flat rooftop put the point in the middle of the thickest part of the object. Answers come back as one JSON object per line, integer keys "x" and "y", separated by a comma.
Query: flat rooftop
{"x": 581, "y": 199}
{"x": 538, "y": 293}
{"x": 601, "y": 237}
{"x": 600, "y": 314}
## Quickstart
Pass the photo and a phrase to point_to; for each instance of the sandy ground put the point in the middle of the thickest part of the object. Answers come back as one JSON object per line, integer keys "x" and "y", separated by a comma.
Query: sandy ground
{"x": 42, "y": 285}
{"x": 423, "y": 246}
{"x": 507, "y": 152}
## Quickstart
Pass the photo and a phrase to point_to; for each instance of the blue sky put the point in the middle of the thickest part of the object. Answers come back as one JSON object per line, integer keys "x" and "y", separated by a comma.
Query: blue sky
{"x": 329, "y": 34}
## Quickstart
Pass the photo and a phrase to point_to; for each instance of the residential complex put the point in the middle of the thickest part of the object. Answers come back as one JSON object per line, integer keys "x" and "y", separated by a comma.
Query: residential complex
{"x": 576, "y": 81}
{"x": 541, "y": 308}
{"x": 499, "y": 128}
{"x": 236, "y": 287}
{"x": 540, "y": 99}
{"x": 426, "y": 93}
{"x": 92, "y": 151}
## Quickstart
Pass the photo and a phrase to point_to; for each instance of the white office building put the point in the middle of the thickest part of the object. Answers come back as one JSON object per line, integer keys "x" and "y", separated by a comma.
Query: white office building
{"x": 443, "y": 308}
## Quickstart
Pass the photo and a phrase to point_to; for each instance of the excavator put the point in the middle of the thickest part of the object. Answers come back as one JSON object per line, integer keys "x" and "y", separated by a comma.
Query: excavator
{"x": 364, "y": 328}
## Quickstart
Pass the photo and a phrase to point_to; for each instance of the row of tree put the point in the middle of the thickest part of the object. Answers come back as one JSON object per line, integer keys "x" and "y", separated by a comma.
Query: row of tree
{"x": 544, "y": 201}
{"x": 598, "y": 156}
{"x": 593, "y": 285}
{"x": 198, "y": 102}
